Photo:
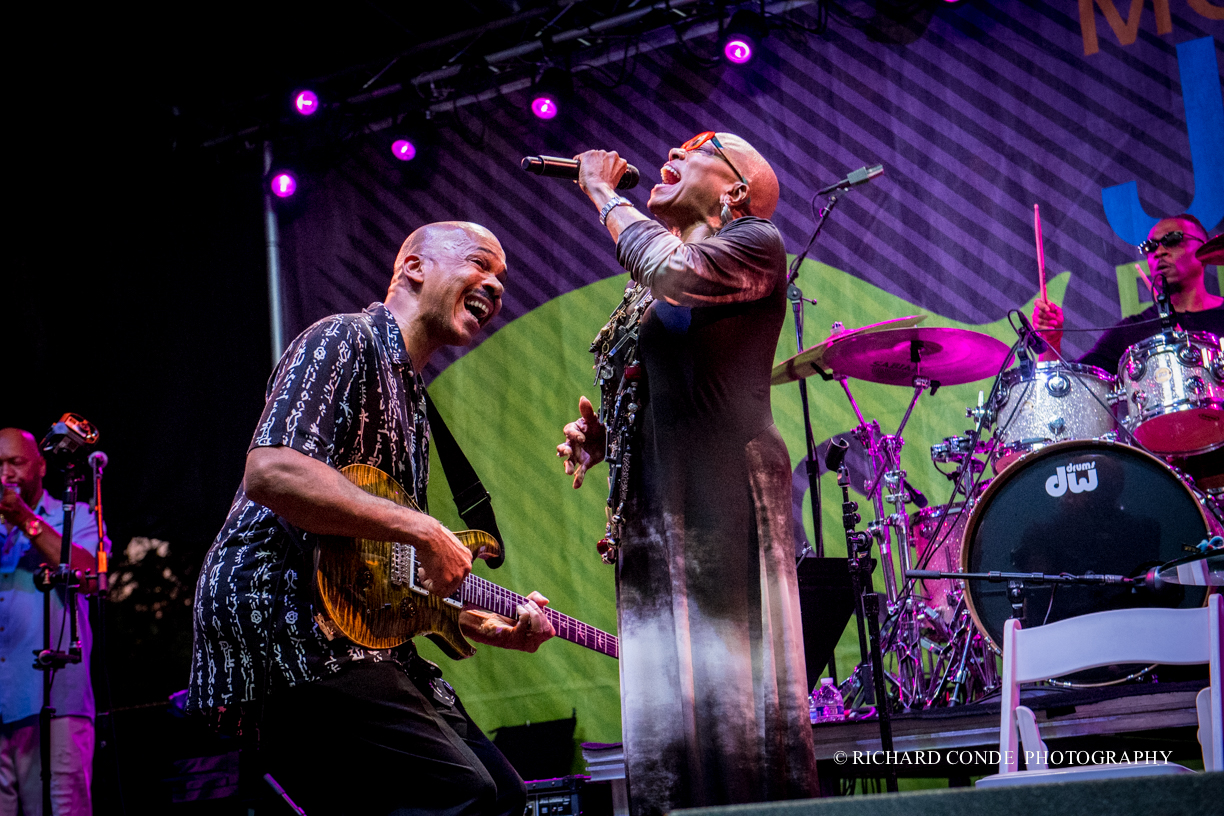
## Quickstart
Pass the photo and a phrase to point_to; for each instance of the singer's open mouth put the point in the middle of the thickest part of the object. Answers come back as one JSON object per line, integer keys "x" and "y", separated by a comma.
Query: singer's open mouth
{"x": 669, "y": 174}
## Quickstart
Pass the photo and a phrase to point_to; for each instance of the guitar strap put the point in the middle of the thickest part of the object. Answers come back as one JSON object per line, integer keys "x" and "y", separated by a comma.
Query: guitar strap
{"x": 473, "y": 502}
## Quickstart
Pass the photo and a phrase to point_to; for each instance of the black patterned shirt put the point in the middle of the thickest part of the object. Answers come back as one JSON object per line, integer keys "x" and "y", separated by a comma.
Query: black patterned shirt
{"x": 344, "y": 392}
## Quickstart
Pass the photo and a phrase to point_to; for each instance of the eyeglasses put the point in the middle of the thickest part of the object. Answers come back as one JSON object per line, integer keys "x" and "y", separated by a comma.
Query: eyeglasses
{"x": 1169, "y": 239}
{"x": 709, "y": 136}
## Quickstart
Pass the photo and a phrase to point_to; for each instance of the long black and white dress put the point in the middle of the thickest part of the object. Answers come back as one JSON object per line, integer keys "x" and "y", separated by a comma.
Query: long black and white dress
{"x": 713, "y": 683}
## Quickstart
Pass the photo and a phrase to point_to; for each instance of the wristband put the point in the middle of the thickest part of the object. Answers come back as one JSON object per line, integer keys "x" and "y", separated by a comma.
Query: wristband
{"x": 613, "y": 202}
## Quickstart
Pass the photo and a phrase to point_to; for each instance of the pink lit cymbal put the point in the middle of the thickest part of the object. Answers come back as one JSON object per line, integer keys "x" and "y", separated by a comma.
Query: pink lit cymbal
{"x": 951, "y": 356}
{"x": 1212, "y": 252}
{"x": 805, "y": 363}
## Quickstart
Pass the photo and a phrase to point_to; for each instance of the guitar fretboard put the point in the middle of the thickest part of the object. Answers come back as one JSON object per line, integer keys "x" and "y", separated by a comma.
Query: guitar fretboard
{"x": 489, "y": 596}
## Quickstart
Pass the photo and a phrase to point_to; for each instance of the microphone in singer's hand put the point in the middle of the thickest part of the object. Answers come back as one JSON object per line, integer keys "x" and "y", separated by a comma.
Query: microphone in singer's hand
{"x": 568, "y": 169}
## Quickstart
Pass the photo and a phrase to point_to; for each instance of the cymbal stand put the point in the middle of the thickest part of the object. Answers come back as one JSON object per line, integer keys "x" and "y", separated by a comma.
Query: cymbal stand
{"x": 906, "y": 642}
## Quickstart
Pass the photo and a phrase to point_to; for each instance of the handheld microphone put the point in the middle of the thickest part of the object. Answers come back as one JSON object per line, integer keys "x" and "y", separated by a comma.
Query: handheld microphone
{"x": 859, "y": 176}
{"x": 554, "y": 167}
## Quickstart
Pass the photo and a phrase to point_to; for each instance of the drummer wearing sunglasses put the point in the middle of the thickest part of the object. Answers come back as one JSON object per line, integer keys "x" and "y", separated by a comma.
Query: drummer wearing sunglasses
{"x": 712, "y": 671}
{"x": 1170, "y": 250}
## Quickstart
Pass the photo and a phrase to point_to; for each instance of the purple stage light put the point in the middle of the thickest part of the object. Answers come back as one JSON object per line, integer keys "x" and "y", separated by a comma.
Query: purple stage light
{"x": 283, "y": 185}
{"x": 306, "y": 102}
{"x": 545, "y": 107}
{"x": 403, "y": 149}
{"x": 738, "y": 50}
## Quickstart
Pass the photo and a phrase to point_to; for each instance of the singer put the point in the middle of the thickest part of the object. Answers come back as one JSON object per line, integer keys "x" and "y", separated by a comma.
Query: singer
{"x": 713, "y": 684}
{"x": 33, "y": 522}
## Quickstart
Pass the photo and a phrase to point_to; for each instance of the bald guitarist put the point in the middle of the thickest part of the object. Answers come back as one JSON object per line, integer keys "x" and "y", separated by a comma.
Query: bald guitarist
{"x": 349, "y": 729}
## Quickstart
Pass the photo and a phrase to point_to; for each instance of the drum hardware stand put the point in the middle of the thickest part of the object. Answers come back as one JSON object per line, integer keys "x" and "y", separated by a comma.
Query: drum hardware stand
{"x": 858, "y": 548}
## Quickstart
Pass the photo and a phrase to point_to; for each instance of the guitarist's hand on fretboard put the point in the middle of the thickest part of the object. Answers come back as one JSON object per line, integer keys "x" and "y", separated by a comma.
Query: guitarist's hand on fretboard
{"x": 524, "y": 634}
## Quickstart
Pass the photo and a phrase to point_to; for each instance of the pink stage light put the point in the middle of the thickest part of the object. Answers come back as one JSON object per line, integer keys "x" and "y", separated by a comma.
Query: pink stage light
{"x": 403, "y": 150}
{"x": 545, "y": 107}
{"x": 305, "y": 102}
{"x": 738, "y": 50}
{"x": 283, "y": 185}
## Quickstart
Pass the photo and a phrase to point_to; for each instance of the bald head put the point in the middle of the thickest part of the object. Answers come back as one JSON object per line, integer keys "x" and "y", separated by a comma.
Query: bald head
{"x": 444, "y": 237}
{"x": 22, "y": 463}
{"x": 762, "y": 182}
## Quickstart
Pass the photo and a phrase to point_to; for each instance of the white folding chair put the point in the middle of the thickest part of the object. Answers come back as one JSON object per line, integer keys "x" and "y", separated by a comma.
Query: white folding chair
{"x": 1170, "y": 636}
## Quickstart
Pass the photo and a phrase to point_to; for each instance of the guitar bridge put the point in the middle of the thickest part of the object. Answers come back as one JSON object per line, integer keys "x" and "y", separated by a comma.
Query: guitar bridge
{"x": 401, "y": 565}
{"x": 410, "y": 574}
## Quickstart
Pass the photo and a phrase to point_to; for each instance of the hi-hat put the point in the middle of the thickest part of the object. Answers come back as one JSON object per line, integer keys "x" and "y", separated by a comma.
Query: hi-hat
{"x": 1212, "y": 252}
{"x": 896, "y": 356}
{"x": 806, "y": 362}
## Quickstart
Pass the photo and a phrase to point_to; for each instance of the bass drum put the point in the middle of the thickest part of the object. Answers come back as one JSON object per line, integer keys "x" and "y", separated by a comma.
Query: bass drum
{"x": 1078, "y": 507}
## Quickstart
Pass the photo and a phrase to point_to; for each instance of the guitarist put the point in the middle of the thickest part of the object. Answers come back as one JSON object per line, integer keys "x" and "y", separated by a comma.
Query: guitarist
{"x": 347, "y": 729}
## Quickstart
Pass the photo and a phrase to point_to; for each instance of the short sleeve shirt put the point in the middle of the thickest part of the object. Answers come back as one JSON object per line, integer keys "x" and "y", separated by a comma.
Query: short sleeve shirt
{"x": 344, "y": 393}
{"x": 21, "y": 617}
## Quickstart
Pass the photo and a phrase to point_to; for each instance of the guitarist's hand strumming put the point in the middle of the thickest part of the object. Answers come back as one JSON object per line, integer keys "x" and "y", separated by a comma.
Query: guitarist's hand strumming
{"x": 445, "y": 562}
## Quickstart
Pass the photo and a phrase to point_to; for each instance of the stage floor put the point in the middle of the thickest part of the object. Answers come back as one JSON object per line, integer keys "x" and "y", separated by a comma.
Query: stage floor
{"x": 1147, "y": 716}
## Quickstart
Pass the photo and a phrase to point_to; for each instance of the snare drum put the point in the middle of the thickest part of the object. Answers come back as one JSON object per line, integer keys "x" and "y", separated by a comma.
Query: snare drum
{"x": 1058, "y": 402}
{"x": 1174, "y": 387}
{"x": 1079, "y": 507}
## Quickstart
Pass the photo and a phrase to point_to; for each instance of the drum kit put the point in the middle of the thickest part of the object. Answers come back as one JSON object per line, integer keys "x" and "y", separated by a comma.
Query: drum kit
{"x": 1069, "y": 472}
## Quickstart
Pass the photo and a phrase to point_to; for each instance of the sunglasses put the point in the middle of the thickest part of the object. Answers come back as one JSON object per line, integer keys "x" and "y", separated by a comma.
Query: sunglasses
{"x": 1169, "y": 239}
{"x": 709, "y": 136}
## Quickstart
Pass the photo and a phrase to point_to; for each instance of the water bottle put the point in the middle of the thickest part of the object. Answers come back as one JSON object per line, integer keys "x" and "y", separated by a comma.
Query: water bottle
{"x": 826, "y": 704}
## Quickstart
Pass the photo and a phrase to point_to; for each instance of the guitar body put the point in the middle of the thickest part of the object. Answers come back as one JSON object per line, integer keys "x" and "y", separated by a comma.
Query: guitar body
{"x": 368, "y": 590}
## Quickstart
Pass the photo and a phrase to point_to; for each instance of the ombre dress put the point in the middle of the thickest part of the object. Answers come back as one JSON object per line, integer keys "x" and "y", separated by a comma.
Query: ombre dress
{"x": 713, "y": 684}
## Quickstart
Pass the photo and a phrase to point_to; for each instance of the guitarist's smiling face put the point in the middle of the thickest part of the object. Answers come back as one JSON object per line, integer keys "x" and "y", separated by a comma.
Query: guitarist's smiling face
{"x": 448, "y": 285}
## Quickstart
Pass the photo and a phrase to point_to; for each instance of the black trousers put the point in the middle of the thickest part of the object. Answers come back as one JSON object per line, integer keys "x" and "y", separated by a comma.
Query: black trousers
{"x": 373, "y": 740}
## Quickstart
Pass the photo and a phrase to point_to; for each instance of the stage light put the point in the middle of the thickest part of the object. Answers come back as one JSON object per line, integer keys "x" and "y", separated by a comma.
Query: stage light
{"x": 283, "y": 184}
{"x": 403, "y": 150}
{"x": 738, "y": 50}
{"x": 305, "y": 102}
{"x": 742, "y": 35}
{"x": 544, "y": 107}
{"x": 550, "y": 90}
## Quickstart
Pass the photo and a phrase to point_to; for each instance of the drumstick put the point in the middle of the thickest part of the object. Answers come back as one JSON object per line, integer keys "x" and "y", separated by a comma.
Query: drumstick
{"x": 1040, "y": 251}
{"x": 1142, "y": 274}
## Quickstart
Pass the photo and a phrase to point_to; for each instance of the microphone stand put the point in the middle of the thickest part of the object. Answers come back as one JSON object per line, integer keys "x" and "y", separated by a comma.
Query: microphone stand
{"x": 795, "y": 295}
{"x": 49, "y": 661}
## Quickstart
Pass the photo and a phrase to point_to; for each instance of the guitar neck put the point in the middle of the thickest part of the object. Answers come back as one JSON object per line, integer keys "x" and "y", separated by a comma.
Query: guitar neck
{"x": 489, "y": 596}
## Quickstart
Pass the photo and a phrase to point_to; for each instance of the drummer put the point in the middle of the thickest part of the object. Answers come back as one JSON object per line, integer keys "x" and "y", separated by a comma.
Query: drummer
{"x": 1170, "y": 252}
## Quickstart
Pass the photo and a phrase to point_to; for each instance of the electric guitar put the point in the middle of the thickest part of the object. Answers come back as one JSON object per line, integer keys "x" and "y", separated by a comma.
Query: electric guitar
{"x": 368, "y": 590}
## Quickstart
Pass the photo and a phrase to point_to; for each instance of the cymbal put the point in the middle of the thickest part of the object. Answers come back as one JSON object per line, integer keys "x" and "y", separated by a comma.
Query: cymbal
{"x": 1212, "y": 252}
{"x": 805, "y": 362}
{"x": 951, "y": 356}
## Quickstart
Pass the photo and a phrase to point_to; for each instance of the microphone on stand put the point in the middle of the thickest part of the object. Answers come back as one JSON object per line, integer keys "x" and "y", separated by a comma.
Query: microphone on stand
{"x": 1032, "y": 338}
{"x": 554, "y": 167}
{"x": 98, "y": 462}
{"x": 859, "y": 176}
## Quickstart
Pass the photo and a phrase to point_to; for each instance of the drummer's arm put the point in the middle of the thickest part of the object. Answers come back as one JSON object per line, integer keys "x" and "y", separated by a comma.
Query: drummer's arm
{"x": 1048, "y": 321}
